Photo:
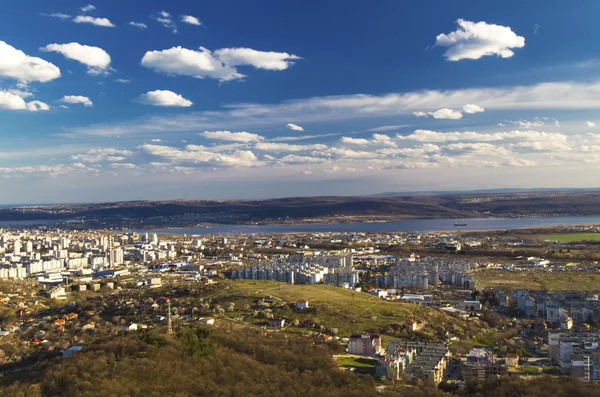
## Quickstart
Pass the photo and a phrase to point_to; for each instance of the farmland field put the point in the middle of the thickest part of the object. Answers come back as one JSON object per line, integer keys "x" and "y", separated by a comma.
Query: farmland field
{"x": 571, "y": 237}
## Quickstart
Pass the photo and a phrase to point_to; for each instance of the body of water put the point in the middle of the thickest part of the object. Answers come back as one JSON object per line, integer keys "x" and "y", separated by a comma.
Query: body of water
{"x": 409, "y": 225}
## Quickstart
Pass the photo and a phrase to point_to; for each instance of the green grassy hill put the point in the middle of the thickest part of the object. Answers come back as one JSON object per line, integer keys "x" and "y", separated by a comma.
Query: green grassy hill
{"x": 346, "y": 311}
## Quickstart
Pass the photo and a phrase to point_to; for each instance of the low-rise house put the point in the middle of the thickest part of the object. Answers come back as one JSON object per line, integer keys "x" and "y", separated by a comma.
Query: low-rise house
{"x": 277, "y": 322}
{"x": 130, "y": 327}
{"x": 511, "y": 360}
{"x": 89, "y": 326}
{"x": 301, "y": 304}
{"x": 210, "y": 321}
{"x": 71, "y": 350}
{"x": 411, "y": 325}
{"x": 71, "y": 316}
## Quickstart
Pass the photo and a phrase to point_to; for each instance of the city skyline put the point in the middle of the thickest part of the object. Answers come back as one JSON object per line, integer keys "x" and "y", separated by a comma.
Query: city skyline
{"x": 109, "y": 101}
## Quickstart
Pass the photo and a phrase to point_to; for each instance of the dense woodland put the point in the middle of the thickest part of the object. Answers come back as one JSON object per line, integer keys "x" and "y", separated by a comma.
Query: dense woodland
{"x": 233, "y": 362}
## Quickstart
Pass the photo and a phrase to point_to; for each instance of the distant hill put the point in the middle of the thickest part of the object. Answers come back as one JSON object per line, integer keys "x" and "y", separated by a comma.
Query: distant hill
{"x": 381, "y": 207}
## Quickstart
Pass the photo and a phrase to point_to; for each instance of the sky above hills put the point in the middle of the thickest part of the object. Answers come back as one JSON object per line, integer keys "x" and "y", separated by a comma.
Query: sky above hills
{"x": 121, "y": 100}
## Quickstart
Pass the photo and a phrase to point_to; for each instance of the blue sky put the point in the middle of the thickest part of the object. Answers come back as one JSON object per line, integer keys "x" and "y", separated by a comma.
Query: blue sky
{"x": 126, "y": 100}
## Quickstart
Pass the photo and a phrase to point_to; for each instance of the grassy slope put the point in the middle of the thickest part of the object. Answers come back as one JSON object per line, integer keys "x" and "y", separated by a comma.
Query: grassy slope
{"x": 348, "y": 311}
{"x": 538, "y": 280}
{"x": 571, "y": 237}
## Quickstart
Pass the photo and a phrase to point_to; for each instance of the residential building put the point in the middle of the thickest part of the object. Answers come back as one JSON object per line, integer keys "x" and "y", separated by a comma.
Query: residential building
{"x": 364, "y": 344}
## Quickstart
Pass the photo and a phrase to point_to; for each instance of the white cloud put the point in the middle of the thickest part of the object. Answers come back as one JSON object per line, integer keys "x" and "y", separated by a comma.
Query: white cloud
{"x": 77, "y": 99}
{"x": 198, "y": 155}
{"x": 88, "y": 8}
{"x": 446, "y": 113}
{"x": 380, "y": 139}
{"x": 94, "y": 21}
{"x": 590, "y": 123}
{"x": 435, "y": 136}
{"x": 140, "y": 25}
{"x": 354, "y": 141}
{"x": 544, "y": 96}
{"x": 21, "y": 93}
{"x": 180, "y": 61}
{"x": 295, "y": 159}
{"x": 59, "y": 15}
{"x": 95, "y": 58}
{"x": 123, "y": 165}
{"x": 165, "y": 19}
{"x": 102, "y": 155}
{"x": 385, "y": 128}
{"x": 13, "y": 101}
{"x": 163, "y": 98}
{"x": 122, "y": 81}
{"x": 294, "y": 127}
{"x": 35, "y": 106}
{"x": 286, "y": 147}
{"x": 347, "y": 153}
{"x": 472, "y": 108}
{"x": 421, "y": 114}
{"x": 244, "y": 137}
{"x": 268, "y": 60}
{"x": 156, "y": 140}
{"x": 15, "y": 64}
{"x": 475, "y": 40}
{"x": 190, "y": 20}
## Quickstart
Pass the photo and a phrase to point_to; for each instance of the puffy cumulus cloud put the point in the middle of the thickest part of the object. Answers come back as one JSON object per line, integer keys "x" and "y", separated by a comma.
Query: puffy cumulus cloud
{"x": 123, "y": 165}
{"x": 354, "y": 141}
{"x": 195, "y": 155}
{"x": 17, "y": 65}
{"x": 179, "y": 61}
{"x": 36, "y": 106}
{"x": 102, "y": 155}
{"x": 294, "y": 127}
{"x": 513, "y": 162}
{"x": 190, "y": 20}
{"x": 381, "y": 139}
{"x": 123, "y": 81}
{"x": 590, "y": 124}
{"x": 378, "y": 139}
{"x": 140, "y": 25}
{"x": 443, "y": 113}
{"x": 21, "y": 93}
{"x": 15, "y": 101}
{"x": 472, "y": 108}
{"x": 163, "y": 98}
{"x": 95, "y": 58}
{"x": 286, "y": 147}
{"x": 268, "y": 60}
{"x": 47, "y": 170}
{"x": 77, "y": 99}
{"x": 435, "y": 136}
{"x": 88, "y": 8}
{"x": 446, "y": 113}
{"x": 473, "y": 40}
{"x": 479, "y": 147}
{"x": 243, "y": 137}
{"x": 346, "y": 153}
{"x": 94, "y": 21}
{"x": 296, "y": 159}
